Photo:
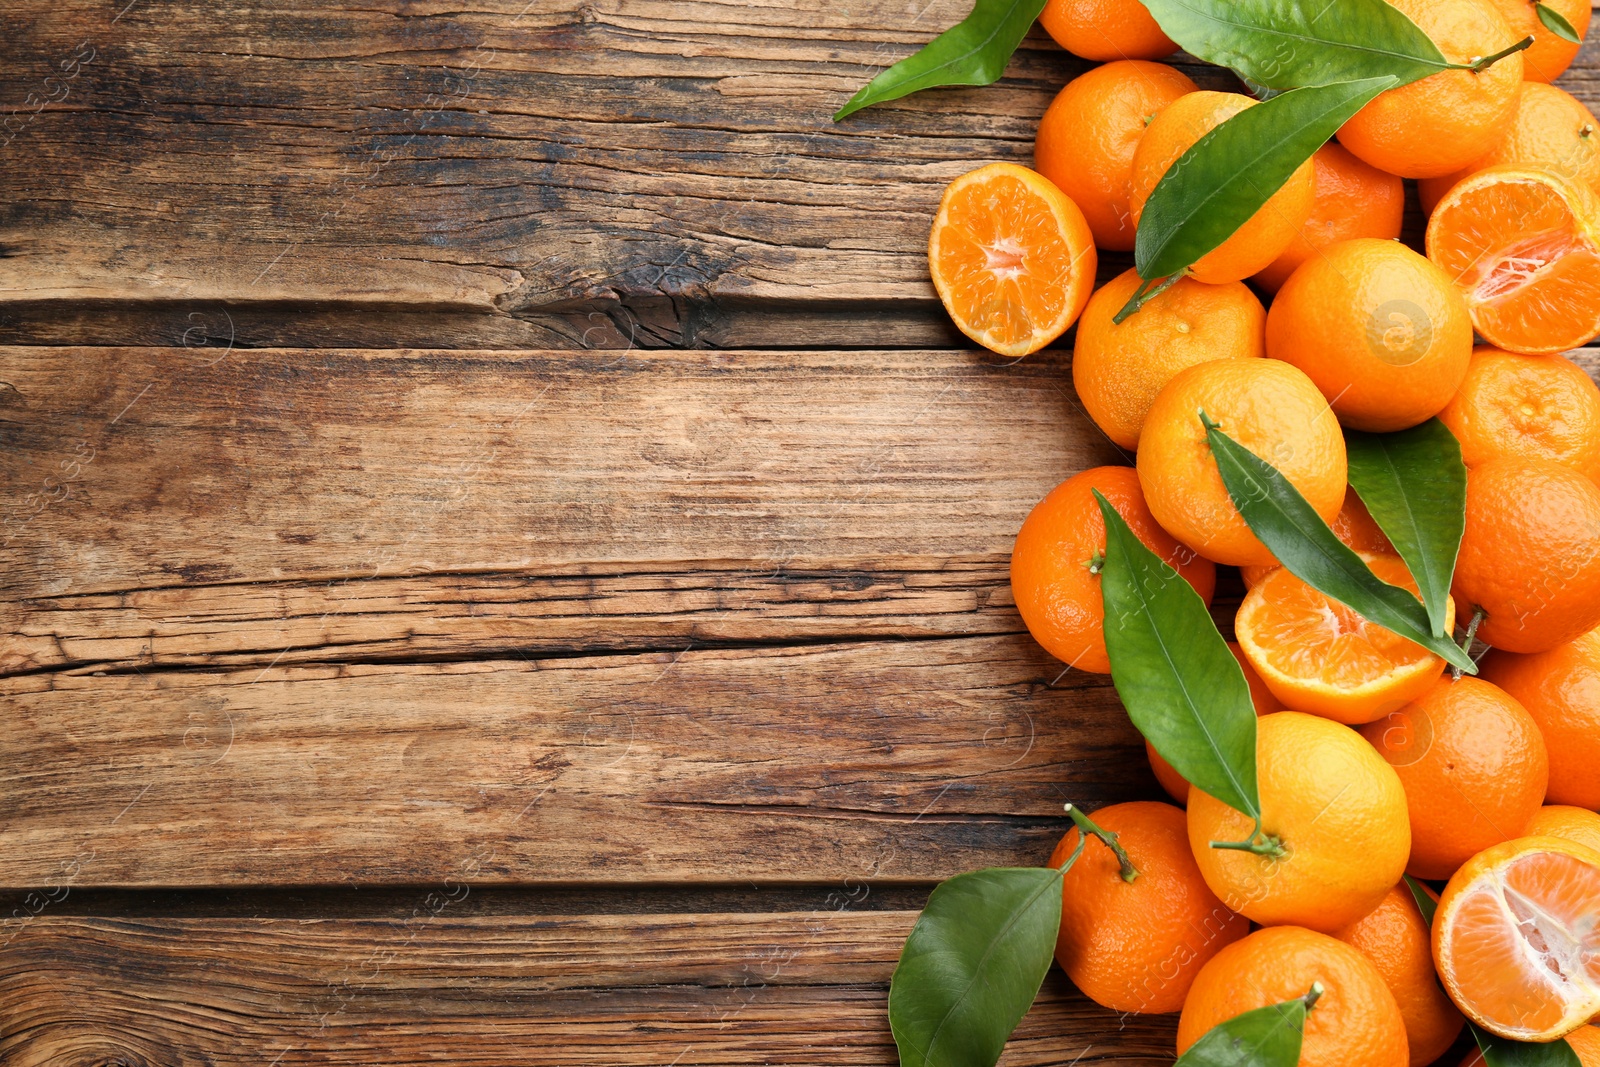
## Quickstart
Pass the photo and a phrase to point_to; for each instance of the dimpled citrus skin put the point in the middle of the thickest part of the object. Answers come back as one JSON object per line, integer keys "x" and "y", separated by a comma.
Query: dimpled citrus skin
{"x": 1261, "y": 699}
{"x": 1266, "y": 234}
{"x": 1560, "y": 688}
{"x": 1057, "y": 596}
{"x": 1551, "y": 129}
{"x": 1515, "y": 940}
{"x": 1118, "y": 368}
{"x": 1337, "y": 808}
{"x": 1265, "y": 405}
{"x": 1350, "y": 199}
{"x": 1319, "y": 656}
{"x": 1088, "y": 135}
{"x": 1446, "y": 120}
{"x": 1474, "y": 769}
{"x": 1355, "y": 1023}
{"x": 1383, "y": 332}
{"x": 1535, "y": 407}
{"x": 1550, "y": 54}
{"x": 1564, "y": 820}
{"x": 1136, "y": 946}
{"x": 1105, "y": 29}
{"x": 1530, "y": 556}
{"x": 1396, "y": 939}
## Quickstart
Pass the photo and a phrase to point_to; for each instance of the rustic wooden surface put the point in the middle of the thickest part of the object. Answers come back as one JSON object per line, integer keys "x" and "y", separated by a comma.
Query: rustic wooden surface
{"x": 610, "y": 689}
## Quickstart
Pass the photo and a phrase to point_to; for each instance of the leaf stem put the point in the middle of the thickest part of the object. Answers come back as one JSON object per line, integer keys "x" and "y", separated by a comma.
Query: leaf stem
{"x": 1262, "y": 844}
{"x": 1087, "y": 826}
{"x": 1478, "y": 615}
{"x": 1483, "y": 63}
{"x": 1066, "y": 864}
{"x": 1148, "y": 290}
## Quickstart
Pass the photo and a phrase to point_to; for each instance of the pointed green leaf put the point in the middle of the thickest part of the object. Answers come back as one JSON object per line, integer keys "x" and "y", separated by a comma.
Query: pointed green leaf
{"x": 1265, "y": 1037}
{"x": 973, "y": 964}
{"x": 1557, "y": 23}
{"x": 1286, "y": 44}
{"x": 1425, "y": 903}
{"x": 1227, "y": 175}
{"x": 1499, "y": 1052}
{"x": 972, "y": 52}
{"x": 1296, "y": 534}
{"x": 1415, "y": 485}
{"x": 1182, "y": 687}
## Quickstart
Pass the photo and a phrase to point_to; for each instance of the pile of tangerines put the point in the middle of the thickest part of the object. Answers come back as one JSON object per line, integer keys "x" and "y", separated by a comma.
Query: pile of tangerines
{"x": 1373, "y": 762}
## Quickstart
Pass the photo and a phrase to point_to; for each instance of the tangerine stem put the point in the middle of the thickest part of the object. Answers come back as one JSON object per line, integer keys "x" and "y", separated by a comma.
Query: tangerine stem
{"x": 1086, "y": 826}
{"x": 1483, "y": 63}
{"x": 1313, "y": 995}
{"x": 1259, "y": 843}
{"x": 1148, "y": 290}
{"x": 1478, "y": 615}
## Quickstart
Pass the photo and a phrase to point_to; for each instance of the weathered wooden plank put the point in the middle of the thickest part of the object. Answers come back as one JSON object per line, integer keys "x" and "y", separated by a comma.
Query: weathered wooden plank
{"x": 165, "y": 509}
{"x": 584, "y": 173}
{"x": 782, "y": 989}
{"x": 900, "y": 761}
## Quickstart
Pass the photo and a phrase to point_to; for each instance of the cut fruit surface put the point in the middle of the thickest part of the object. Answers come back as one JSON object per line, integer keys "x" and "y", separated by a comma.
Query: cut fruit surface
{"x": 1318, "y": 656}
{"x": 1521, "y": 245}
{"x": 1517, "y": 938}
{"x": 1012, "y": 258}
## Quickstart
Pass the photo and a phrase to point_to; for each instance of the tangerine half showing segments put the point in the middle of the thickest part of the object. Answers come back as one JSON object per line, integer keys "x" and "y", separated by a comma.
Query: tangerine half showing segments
{"x": 1521, "y": 246}
{"x": 1318, "y": 655}
{"x": 1011, "y": 257}
{"x": 1516, "y": 940}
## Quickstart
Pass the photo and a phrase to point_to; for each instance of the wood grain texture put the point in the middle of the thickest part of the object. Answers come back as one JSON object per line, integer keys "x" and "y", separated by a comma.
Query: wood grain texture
{"x": 293, "y": 506}
{"x": 691, "y": 990}
{"x": 900, "y": 761}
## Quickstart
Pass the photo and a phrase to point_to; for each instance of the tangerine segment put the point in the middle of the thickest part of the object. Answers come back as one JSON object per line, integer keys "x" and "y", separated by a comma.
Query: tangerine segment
{"x": 1517, "y": 938}
{"x": 1319, "y": 656}
{"x": 1521, "y": 245}
{"x": 1011, "y": 257}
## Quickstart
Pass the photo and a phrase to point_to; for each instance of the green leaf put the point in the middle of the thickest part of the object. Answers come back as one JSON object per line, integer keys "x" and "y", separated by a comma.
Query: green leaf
{"x": 1286, "y": 44}
{"x": 972, "y": 52}
{"x": 1265, "y": 1037}
{"x": 1499, "y": 1052}
{"x": 1557, "y": 23}
{"x": 1425, "y": 904}
{"x": 1415, "y": 485}
{"x": 973, "y": 964}
{"x": 1296, "y": 534}
{"x": 1227, "y": 175}
{"x": 1182, "y": 687}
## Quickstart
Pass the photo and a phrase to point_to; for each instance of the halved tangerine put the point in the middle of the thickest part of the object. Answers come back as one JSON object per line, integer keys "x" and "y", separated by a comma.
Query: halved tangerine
{"x": 1516, "y": 938}
{"x": 1012, "y": 258}
{"x": 1318, "y": 656}
{"x": 1523, "y": 246}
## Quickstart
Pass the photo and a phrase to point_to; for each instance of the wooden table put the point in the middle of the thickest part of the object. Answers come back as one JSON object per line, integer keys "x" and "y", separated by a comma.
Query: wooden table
{"x": 504, "y": 558}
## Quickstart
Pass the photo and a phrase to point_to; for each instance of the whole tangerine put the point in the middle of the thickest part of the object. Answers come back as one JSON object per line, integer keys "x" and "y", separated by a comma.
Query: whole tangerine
{"x": 1350, "y": 199}
{"x": 1532, "y": 407}
{"x": 1137, "y": 945}
{"x": 1266, "y": 234}
{"x": 1056, "y": 591}
{"x": 1560, "y": 688}
{"x": 1088, "y": 135}
{"x": 1474, "y": 767}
